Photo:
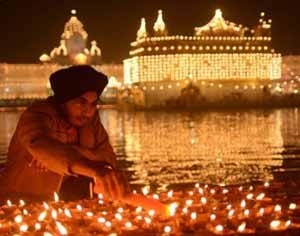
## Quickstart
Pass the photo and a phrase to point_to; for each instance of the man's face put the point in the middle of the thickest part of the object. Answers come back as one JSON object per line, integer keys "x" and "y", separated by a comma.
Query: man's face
{"x": 79, "y": 111}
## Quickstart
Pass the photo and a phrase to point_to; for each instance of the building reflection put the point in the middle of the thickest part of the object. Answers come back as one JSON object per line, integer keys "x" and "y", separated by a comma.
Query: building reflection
{"x": 162, "y": 148}
{"x": 171, "y": 148}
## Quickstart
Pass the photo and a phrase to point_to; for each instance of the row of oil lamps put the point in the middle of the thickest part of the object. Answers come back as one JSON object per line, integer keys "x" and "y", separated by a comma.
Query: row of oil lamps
{"x": 266, "y": 208}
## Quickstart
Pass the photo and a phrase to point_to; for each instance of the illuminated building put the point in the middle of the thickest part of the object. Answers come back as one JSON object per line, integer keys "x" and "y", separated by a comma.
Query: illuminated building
{"x": 21, "y": 82}
{"x": 220, "y": 58}
{"x": 73, "y": 46}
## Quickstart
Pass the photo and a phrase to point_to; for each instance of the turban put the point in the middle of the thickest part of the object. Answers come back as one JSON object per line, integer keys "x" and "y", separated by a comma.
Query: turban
{"x": 71, "y": 82}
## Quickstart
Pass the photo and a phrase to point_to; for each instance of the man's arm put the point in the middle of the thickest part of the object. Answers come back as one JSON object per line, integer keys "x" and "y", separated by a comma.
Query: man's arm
{"x": 60, "y": 158}
{"x": 100, "y": 149}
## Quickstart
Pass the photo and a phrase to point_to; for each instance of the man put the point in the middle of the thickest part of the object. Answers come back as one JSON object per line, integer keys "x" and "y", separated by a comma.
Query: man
{"x": 62, "y": 138}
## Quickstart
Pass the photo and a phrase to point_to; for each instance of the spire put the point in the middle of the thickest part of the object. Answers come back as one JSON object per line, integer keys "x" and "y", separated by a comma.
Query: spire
{"x": 159, "y": 25}
{"x": 219, "y": 26}
{"x": 73, "y": 26}
{"x": 142, "y": 32}
{"x": 95, "y": 50}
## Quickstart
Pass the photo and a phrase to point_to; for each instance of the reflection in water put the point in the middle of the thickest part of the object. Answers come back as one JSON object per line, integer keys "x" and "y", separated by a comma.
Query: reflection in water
{"x": 162, "y": 148}
{"x": 214, "y": 147}
{"x": 8, "y": 122}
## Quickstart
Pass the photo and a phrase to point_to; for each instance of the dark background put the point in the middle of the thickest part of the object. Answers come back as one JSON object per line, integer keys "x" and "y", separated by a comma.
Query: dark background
{"x": 30, "y": 28}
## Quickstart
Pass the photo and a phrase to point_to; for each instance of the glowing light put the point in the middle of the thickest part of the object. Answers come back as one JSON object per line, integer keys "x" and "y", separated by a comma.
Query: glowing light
{"x": 79, "y": 207}
{"x": 18, "y": 219}
{"x": 56, "y": 197}
{"x": 243, "y": 204}
{"x": 193, "y": 215}
{"x": 42, "y": 216}
{"x": 219, "y": 228}
{"x": 24, "y": 228}
{"x": 101, "y": 220}
{"x": 275, "y": 224}
{"x": 260, "y": 196}
{"x": 203, "y": 200}
{"x": 146, "y": 190}
{"x": 242, "y": 227}
{"x": 277, "y": 208}
{"x": 167, "y": 229}
{"x": 292, "y": 206}
{"x": 171, "y": 209}
{"x": 54, "y": 214}
{"x": 68, "y": 213}
{"x": 37, "y": 226}
{"x": 128, "y": 224}
{"x": 62, "y": 230}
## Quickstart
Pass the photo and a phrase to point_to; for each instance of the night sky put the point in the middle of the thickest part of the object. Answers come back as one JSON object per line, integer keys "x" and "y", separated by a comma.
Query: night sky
{"x": 32, "y": 27}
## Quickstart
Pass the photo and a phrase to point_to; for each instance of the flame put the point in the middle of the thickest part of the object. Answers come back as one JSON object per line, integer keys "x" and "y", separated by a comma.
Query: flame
{"x": 231, "y": 213}
{"x": 246, "y": 212}
{"x": 249, "y": 196}
{"x": 261, "y": 211}
{"x": 292, "y": 206}
{"x": 212, "y": 217}
{"x": 275, "y": 224}
{"x": 171, "y": 209}
{"x": 101, "y": 220}
{"x": 189, "y": 202}
{"x": 22, "y": 203}
{"x": 118, "y": 216}
{"x": 167, "y": 229}
{"x": 42, "y": 216}
{"x": 128, "y": 224}
{"x": 100, "y": 196}
{"x": 108, "y": 224}
{"x": 170, "y": 194}
{"x": 18, "y": 219}
{"x": 200, "y": 190}
{"x": 54, "y": 214}
{"x": 90, "y": 214}
{"x": 243, "y": 204}
{"x": 219, "y": 228}
{"x": 120, "y": 210}
{"x": 147, "y": 220}
{"x": 47, "y": 234}
{"x": 193, "y": 215}
{"x": 185, "y": 210}
{"x": 68, "y": 213}
{"x": 37, "y": 226}
{"x": 277, "y": 208}
{"x": 23, "y": 228}
{"x": 151, "y": 212}
{"x": 203, "y": 200}
{"x": 242, "y": 227}
{"x": 138, "y": 209}
{"x": 155, "y": 196}
{"x": 56, "y": 197}
{"x": 62, "y": 230}
{"x": 146, "y": 190}
{"x": 46, "y": 206}
{"x": 8, "y": 202}
{"x": 260, "y": 196}
{"x": 266, "y": 184}
{"x": 225, "y": 191}
{"x": 25, "y": 212}
{"x": 79, "y": 207}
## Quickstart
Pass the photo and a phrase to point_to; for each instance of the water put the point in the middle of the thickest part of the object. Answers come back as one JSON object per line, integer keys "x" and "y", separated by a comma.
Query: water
{"x": 220, "y": 147}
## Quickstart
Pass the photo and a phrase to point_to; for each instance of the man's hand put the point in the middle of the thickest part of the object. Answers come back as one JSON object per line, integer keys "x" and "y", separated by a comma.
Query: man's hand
{"x": 111, "y": 183}
{"x": 38, "y": 165}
